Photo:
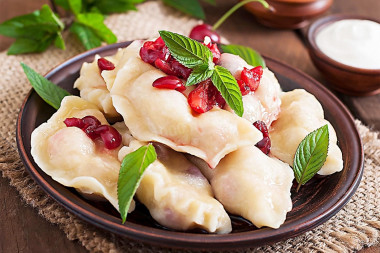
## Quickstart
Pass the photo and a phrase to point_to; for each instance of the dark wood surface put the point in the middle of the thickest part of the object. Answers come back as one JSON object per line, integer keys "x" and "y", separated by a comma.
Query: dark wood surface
{"x": 22, "y": 230}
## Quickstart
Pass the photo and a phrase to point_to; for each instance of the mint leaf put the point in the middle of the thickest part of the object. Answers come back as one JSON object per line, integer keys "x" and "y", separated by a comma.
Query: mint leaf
{"x": 48, "y": 91}
{"x": 59, "y": 42}
{"x": 86, "y": 35}
{"x": 115, "y": 6}
{"x": 199, "y": 74}
{"x": 95, "y": 21}
{"x": 191, "y": 7}
{"x": 248, "y": 54}
{"x": 24, "y": 45}
{"x": 188, "y": 52}
{"x": 33, "y": 32}
{"x": 311, "y": 154}
{"x": 63, "y": 3}
{"x": 75, "y": 6}
{"x": 212, "y": 2}
{"x": 130, "y": 175}
{"x": 229, "y": 88}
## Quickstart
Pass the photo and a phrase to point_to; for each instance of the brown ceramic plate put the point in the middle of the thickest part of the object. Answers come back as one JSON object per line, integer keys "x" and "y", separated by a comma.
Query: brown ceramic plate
{"x": 315, "y": 203}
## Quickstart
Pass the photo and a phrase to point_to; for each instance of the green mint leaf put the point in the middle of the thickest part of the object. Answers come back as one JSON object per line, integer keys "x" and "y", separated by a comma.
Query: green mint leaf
{"x": 95, "y": 21}
{"x": 188, "y": 52}
{"x": 248, "y": 54}
{"x": 199, "y": 74}
{"x": 59, "y": 42}
{"x": 311, "y": 154}
{"x": 32, "y": 26}
{"x": 48, "y": 16}
{"x": 191, "y": 7}
{"x": 116, "y": 6}
{"x": 63, "y": 3}
{"x": 75, "y": 6}
{"x": 86, "y": 35}
{"x": 130, "y": 175}
{"x": 48, "y": 91}
{"x": 229, "y": 88}
{"x": 24, "y": 45}
{"x": 212, "y": 2}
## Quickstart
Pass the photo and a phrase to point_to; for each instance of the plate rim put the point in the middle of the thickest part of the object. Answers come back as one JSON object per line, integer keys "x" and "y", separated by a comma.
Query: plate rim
{"x": 197, "y": 241}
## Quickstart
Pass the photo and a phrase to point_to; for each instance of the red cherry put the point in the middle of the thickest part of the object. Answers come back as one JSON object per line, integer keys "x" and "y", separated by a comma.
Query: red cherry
{"x": 199, "y": 32}
{"x": 74, "y": 122}
{"x": 265, "y": 144}
{"x": 91, "y": 121}
{"x": 105, "y": 64}
{"x": 110, "y": 136}
{"x": 198, "y": 99}
{"x": 169, "y": 82}
{"x": 252, "y": 77}
{"x": 215, "y": 52}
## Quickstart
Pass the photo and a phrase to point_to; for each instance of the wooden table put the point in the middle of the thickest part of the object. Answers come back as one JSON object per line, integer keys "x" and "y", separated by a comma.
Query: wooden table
{"x": 22, "y": 230}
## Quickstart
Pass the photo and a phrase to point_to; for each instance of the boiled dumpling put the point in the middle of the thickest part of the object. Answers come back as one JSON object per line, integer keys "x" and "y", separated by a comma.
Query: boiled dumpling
{"x": 177, "y": 195}
{"x": 301, "y": 113}
{"x": 253, "y": 185}
{"x": 71, "y": 158}
{"x": 164, "y": 116}
{"x": 263, "y": 104}
{"x": 93, "y": 88}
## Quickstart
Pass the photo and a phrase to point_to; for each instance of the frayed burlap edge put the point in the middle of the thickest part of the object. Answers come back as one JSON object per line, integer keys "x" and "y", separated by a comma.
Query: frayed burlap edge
{"x": 355, "y": 226}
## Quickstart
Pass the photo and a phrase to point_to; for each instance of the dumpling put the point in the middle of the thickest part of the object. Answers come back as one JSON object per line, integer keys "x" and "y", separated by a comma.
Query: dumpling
{"x": 71, "y": 158}
{"x": 263, "y": 104}
{"x": 93, "y": 88}
{"x": 301, "y": 113}
{"x": 164, "y": 116}
{"x": 253, "y": 185}
{"x": 177, "y": 195}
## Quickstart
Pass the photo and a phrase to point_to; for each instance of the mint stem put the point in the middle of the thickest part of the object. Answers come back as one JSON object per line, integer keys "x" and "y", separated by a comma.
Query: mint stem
{"x": 234, "y": 8}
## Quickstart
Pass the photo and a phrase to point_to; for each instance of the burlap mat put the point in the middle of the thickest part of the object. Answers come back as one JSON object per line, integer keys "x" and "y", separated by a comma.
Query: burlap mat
{"x": 355, "y": 226}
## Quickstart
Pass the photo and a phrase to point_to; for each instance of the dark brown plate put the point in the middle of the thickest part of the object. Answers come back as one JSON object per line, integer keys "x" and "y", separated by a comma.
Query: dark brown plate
{"x": 316, "y": 202}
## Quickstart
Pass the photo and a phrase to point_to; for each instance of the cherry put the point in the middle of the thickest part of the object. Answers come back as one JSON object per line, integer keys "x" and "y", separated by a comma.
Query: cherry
{"x": 252, "y": 77}
{"x": 105, "y": 64}
{"x": 215, "y": 52}
{"x": 198, "y": 99}
{"x": 265, "y": 144}
{"x": 204, "y": 97}
{"x": 74, "y": 122}
{"x": 199, "y": 32}
{"x": 93, "y": 129}
{"x": 110, "y": 136}
{"x": 169, "y": 82}
{"x": 157, "y": 54}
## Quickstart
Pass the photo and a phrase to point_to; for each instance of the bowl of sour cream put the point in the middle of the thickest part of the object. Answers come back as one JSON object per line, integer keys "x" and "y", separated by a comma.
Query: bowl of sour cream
{"x": 346, "y": 50}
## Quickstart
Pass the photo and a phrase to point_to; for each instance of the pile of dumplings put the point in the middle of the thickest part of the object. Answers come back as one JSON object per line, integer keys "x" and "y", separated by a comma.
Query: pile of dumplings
{"x": 207, "y": 164}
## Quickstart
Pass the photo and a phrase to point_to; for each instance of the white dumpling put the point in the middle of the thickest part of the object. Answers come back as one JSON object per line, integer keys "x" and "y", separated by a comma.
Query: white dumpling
{"x": 263, "y": 104}
{"x": 164, "y": 116}
{"x": 301, "y": 113}
{"x": 93, "y": 88}
{"x": 177, "y": 195}
{"x": 255, "y": 186}
{"x": 71, "y": 158}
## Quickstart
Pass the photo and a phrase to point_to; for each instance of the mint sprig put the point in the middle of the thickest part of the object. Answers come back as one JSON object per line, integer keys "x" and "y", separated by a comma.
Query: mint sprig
{"x": 198, "y": 57}
{"x": 48, "y": 91}
{"x": 252, "y": 57}
{"x": 311, "y": 154}
{"x": 33, "y": 32}
{"x": 188, "y": 52}
{"x": 132, "y": 169}
{"x": 229, "y": 88}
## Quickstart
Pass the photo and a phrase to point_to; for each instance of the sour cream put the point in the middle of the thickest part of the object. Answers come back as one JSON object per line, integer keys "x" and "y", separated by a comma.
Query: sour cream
{"x": 352, "y": 42}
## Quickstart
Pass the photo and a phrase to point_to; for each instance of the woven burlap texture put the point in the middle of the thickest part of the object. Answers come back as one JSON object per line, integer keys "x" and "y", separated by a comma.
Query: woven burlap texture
{"x": 355, "y": 226}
